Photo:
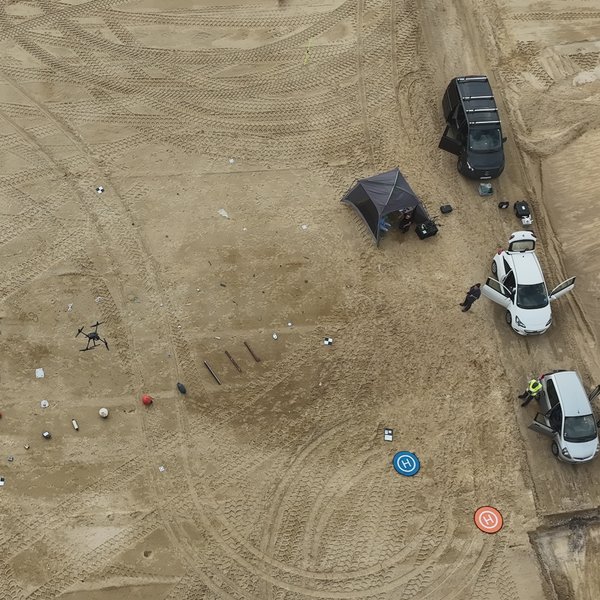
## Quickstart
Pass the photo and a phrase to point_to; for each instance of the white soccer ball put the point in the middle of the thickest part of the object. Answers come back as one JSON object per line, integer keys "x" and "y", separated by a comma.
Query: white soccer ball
{"x": 103, "y": 412}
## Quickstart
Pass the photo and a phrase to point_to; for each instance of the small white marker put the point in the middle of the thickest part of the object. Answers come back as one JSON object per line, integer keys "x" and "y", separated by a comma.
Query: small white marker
{"x": 388, "y": 435}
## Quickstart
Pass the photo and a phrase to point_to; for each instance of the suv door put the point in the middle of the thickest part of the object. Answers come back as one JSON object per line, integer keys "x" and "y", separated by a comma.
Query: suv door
{"x": 450, "y": 142}
{"x": 496, "y": 292}
{"x": 560, "y": 290}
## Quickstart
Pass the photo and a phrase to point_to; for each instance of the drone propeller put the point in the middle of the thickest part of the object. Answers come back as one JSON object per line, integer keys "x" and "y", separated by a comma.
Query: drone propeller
{"x": 97, "y": 323}
{"x": 105, "y": 343}
{"x": 80, "y": 330}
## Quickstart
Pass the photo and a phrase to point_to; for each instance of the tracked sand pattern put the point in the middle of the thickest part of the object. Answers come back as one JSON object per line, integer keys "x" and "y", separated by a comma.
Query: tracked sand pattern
{"x": 277, "y": 484}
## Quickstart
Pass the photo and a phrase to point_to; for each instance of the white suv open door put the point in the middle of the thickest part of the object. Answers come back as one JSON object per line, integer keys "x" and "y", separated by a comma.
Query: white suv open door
{"x": 562, "y": 289}
{"x": 495, "y": 291}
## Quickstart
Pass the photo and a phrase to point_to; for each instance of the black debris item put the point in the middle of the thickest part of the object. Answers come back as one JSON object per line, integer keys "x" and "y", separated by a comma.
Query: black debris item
{"x": 503, "y": 204}
{"x": 181, "y": 388}
{"x": 445, "y": 209}
{"x": 522, "y": 209}
{"x": 46, "y": 435}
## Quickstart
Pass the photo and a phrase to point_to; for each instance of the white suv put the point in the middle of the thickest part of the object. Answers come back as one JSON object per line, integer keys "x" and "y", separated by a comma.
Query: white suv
{"x": 566, "y": 417}
{"x": 520, "y": 286}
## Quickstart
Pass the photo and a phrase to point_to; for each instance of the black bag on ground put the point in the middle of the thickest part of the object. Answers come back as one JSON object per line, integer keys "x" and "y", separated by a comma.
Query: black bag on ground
{"x": 427, "y": 229}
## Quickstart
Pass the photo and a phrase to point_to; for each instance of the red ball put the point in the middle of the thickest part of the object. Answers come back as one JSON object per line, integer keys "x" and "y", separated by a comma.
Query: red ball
{"x": 146, "y": 400}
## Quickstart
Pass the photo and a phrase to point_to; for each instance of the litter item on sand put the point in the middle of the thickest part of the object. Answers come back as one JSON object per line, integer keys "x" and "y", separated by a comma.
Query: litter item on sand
{"x": 147, "y": 400}
{"x": 103, "y": 412}
{"x": 100, "y": 189}
{"x": 75, "y": 424}
{"x": 486, "y": 189}
{"x": 69, "y": 308}
{"x": 328, "y": 341}
{"x": 11, "y": 458}
{"x": 98, "y": 299}
{"x": 181, "y": 388}
{"x": 503, "y": 204}
{"x": 305, "y": 227}
{"x": 26, "y": 446}
{"x": 446, "y": 208}
{"x": 161, "y": 469}
{"x": 212, "y": 373}
{"x": 44, "y": 404}
{"x": 223, "y": 213}
{"x": 251, "y": 352}
{"x": 39, "y": 373}
{"x": 46, "y": 435}
{"x": 388, "y": 435}
{"x": 231, "y": 161}
{"x": 275, "y": 336}
{"x": 289, "y": 324}
{"x": 1, "y": 481}
{"x": 233, "y": 362}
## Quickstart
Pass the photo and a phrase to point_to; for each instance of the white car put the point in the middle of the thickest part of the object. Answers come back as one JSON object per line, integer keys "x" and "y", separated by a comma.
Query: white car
{"x": 566, "y": 417}
{"x": 520, "y": 287}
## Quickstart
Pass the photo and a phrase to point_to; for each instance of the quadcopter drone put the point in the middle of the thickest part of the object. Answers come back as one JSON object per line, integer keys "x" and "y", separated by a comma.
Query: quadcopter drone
{"x": 92, "y": 337}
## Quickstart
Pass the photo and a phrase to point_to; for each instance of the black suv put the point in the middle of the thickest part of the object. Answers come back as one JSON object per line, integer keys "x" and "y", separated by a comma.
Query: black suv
{"x": 473, "y": 127}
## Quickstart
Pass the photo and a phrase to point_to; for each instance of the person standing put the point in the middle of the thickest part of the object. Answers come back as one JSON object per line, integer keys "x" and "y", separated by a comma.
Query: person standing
{"x": 534, "y": 387}
{"x": 473, "y": 294}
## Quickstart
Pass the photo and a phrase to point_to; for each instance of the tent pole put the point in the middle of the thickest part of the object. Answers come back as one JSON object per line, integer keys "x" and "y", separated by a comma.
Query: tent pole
{"x": 395, "y": 182}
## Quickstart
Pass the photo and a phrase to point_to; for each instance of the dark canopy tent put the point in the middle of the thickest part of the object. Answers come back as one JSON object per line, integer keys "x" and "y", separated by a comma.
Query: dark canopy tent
{"x": 375, "y": 197}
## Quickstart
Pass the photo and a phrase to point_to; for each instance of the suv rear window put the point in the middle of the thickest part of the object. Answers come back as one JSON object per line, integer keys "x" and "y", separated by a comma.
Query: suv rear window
{"x": 580, "y": 429}
{"x": 532, "y": 296}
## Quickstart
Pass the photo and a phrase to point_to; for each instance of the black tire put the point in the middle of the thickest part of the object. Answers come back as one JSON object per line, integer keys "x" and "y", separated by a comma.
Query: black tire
{"x": 554, "y": 448}
{"x": 508, "y": 317}
{"x": 494, "y": 268}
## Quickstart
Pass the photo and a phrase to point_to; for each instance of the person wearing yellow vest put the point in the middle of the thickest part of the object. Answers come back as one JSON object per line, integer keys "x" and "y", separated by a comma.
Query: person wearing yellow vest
{"x": 534, "y": 387}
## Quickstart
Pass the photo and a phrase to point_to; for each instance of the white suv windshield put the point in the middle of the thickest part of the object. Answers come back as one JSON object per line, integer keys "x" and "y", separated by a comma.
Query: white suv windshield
{"x": 580, "y": 429}
{"x": 532, "y": 296}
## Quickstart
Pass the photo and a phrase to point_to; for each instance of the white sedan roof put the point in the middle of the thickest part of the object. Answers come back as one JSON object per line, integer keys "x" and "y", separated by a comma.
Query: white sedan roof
{"x": 526, "y": 267}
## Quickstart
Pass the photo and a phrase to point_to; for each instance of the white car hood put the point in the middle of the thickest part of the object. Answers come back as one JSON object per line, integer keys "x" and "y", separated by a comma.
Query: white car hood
{"x": 534, "y": 319}
{"x": 582, "y": 450}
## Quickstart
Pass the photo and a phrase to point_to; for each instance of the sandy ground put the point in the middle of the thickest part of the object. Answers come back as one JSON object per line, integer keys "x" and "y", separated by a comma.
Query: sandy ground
{"x": 277, "y": 484}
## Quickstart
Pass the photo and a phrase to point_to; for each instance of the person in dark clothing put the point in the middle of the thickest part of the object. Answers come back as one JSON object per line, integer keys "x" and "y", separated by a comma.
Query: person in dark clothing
{"x": 472, "y": 295}
{"x": 405, "y": 221}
